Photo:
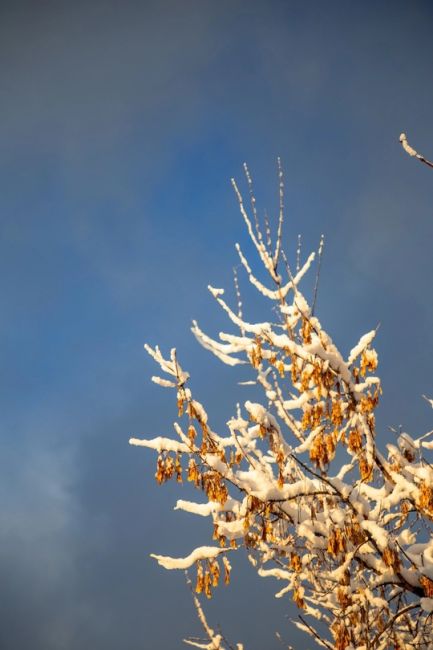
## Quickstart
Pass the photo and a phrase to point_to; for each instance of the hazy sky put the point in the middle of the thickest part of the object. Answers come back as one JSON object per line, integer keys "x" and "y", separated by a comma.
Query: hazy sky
{"x": 121, "y": 124}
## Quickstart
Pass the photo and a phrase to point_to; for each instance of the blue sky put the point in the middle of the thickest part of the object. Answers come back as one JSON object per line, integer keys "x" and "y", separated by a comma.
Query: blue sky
{"x": 121, "y": 125}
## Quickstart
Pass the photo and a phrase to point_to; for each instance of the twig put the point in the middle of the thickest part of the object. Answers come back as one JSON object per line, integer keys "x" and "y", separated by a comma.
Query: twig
{"x": 238, "y": 297}
{"x": 298, "y": 253}
{"x": 281, "y": 215}
{"x": 319, "y": 264}
{"x": 215, "y": 643}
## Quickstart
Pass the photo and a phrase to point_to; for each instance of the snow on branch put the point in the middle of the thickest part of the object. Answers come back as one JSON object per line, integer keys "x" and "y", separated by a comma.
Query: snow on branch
{"x": 411, "y": 151}
{"x": 201, "y": 553}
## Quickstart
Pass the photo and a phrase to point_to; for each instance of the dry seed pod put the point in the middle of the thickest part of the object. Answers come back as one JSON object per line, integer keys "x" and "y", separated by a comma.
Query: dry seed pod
{"x": 355, "y": 441}
{"x": 298, "y": 596}
{"x": 427, "y": 585}
{"x": 200, "y": 579}
{"x": 295, "y": 562}
{"x": 227, "y": 570}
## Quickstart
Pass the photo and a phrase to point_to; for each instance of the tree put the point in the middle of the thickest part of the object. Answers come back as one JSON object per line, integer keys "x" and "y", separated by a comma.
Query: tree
{"x": 299, "y": 481}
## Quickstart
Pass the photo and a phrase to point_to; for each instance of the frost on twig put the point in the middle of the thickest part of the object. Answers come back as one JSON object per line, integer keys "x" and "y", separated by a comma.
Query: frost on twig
{"x": 411, "y": 151}
{"x": 300, "y": 481}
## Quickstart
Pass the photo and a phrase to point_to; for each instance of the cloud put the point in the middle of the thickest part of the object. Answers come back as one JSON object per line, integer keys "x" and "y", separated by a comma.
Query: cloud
{"x": 37, "y": 532}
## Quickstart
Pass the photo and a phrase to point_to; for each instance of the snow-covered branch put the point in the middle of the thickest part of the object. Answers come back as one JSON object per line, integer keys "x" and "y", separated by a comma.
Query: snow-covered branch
{"x": 411, "y": 151}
